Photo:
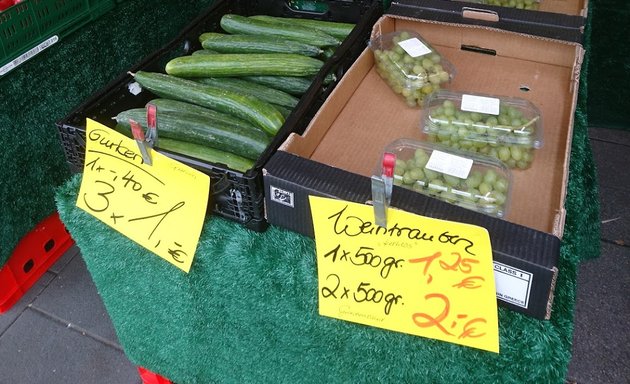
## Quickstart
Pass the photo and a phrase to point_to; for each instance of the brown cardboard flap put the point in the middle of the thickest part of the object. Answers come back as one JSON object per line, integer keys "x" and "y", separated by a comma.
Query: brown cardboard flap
{"x": 567, "y": 7}
{"x": 363, "y": 114}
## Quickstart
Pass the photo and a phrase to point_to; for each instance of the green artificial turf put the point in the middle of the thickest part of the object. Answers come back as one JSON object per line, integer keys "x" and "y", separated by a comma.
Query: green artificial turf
{"x": 45, "y": 88}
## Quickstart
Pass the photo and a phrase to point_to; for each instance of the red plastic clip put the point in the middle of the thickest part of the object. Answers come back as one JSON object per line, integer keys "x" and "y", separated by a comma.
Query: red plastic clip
{"x": 389, "y": 163}
{"x": 382, "y": 189}
{"x": 138, "y": 134}
{"x": 152, "y": 125}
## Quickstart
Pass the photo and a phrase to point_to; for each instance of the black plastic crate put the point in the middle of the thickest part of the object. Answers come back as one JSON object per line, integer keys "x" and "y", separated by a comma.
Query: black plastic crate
{"x": 236, "y": 196}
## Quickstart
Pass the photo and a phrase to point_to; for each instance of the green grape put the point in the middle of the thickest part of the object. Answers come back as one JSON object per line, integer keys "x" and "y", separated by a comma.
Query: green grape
{"x": 449, "y": 197}
{"x": 474, "y": 179}
{"x": 476, "y": 116}
{"x": 418, "y": 187}
{"x": 427, "y": 63}
{"x": 434, "y": 78}
{"x": 501, "y": 185}
{"x": 485, "y": 188}
{"x": 504, "y": 153}
{"x": 418, "y": 70}
{"x": 492, "y": 121}
{"x": 504, "y": 120}
{"x": 437, "y": 185}
{"x": 451, "y": 180}
{"x": 427, "y": 89}
{"x": 496, "y": 197}
{"x": 517, "y": 153}
{"x": 416, "y": 173}
{"x": 421, "y": 159}
{"x": 431, "y": 174}
{"x": 407, "y": 178}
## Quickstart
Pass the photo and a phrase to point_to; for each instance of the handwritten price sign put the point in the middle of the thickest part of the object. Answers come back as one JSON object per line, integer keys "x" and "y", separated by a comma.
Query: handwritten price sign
{"x": 421, "y": 276}
{"x": 161, "y": 207}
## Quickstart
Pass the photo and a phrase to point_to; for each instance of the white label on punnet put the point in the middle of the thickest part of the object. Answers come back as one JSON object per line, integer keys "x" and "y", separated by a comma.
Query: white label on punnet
{"x": 414, "y": 47}
{"x": 481, "y": 104}
{"x": 451, "y": 165}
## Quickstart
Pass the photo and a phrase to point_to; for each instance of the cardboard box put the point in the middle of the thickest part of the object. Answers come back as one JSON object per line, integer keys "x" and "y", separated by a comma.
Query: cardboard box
{"x": 555, "y": 19}
{"x": 337, "y": 153}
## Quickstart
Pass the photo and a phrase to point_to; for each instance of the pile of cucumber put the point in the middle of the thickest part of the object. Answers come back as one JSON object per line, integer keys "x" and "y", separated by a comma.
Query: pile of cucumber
{"x": 225, "y": 102}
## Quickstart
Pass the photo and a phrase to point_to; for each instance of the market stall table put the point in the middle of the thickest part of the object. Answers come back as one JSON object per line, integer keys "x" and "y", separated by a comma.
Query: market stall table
{"x": 247, "y": 311}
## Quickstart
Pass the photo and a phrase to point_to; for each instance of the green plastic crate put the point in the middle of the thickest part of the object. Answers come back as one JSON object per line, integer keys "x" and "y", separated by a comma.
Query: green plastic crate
{"x": 31, "y": 26}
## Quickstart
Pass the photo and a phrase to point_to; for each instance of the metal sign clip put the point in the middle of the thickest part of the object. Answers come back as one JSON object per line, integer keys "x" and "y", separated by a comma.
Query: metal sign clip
{"x": 382, "y": 187}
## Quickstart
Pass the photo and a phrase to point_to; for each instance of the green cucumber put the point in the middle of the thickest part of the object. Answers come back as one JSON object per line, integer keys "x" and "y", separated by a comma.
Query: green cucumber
{"x": 255, "y": 44}
{"x": 211, "y": 155}
{"x": 204, "y": 52}
{"x": 270, "y": 95}
{"x": 237, "y": 24}
{"x": 284, "y": 110}
{"x": 169, "y": 105}
{"x": 293, "y": 85}
{"x": 337, "y": 29}
{"x": 243, "y": 64}
{"x": 200, "y": 130}
{"x": 258, "y": 112}
{"x": 200, "y": 152}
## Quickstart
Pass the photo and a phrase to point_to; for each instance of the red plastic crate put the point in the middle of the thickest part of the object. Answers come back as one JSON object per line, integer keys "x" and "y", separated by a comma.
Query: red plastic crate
{"x": 4, "y": 4}
{"x": 149, "y": 377}
{"x": 32, "y": 257}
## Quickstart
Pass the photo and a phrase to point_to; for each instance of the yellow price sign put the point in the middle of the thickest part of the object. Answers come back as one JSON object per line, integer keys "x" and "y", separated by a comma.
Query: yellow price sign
{"x": 421, "y": 276}
{"x": 160, "y": 206}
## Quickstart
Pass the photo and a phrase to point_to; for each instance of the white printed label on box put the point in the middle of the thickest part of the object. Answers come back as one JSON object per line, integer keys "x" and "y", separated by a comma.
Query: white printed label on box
{"x": 414, "y": 47}
{"x": 451, "y": 165}
{"x": 28, "y": 54}
{"x": 281, "y": 196}
{"x": 512, "y": 284}
{"x": 480, "y": 104}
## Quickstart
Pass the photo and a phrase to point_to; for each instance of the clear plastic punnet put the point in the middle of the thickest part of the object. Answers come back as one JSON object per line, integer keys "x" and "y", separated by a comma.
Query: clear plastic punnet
{"x": 508, "y": 129}
{"x": 410, "y": 66}
{"x": 476, "y": 182}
